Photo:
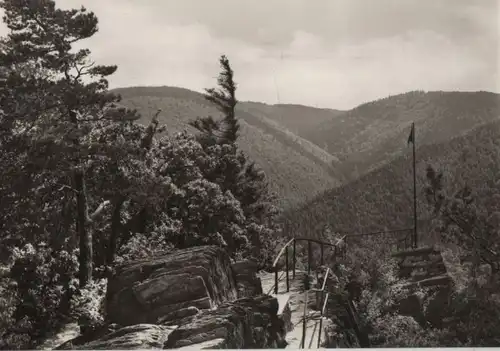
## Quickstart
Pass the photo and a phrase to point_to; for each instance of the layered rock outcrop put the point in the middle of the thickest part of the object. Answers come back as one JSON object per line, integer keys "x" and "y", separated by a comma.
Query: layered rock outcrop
{"x": 187, "y": 298}
{"x": 162, "y": 289}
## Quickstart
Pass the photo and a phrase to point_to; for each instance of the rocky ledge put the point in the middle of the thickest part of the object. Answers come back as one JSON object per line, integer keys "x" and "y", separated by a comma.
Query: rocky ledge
{"x": 193, "y": 297}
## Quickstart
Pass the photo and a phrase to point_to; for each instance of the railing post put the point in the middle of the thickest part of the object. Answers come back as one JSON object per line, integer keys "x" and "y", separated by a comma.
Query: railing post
{"x": 286, "y": 270}
{"x": 322, "y": 259}
{"x": 304, "y": 321}
{"x": 320, "y": 328}
{"x": 276, "y": 280}
{"x": 294, "y": 259}
{"x": 309, "y": 257}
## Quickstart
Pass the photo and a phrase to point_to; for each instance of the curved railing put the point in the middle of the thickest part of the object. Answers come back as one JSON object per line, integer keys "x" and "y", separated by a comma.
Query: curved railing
{"x": 339, "y": 250}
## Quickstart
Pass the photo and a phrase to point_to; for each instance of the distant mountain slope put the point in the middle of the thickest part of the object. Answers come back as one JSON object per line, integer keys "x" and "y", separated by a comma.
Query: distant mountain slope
{"x": 382, "y": 199}
{"x": 374, "y": 133}
{"x": 305, "y": 150}
{"x": 299, "y": 119}
{"x": 297, "y": 169}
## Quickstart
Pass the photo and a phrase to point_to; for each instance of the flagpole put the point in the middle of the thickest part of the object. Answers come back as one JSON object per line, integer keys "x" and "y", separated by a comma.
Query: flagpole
{"x": 415, "y": 242}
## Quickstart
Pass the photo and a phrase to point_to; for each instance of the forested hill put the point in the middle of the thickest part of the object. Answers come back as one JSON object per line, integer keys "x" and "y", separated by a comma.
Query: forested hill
{"x": 305, "y": 150}
{"x": 382, "y": 199}
{"x": 374, "y": 133}
{"x": 296, "y": 168}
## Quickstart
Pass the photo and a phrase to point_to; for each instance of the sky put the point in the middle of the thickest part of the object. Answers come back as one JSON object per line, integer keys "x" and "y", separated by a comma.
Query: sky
{"x": 324, "y": 53}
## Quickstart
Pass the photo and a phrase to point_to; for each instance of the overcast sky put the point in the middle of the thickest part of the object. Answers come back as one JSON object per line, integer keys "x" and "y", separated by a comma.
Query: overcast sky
{"x": 326, "y": 53}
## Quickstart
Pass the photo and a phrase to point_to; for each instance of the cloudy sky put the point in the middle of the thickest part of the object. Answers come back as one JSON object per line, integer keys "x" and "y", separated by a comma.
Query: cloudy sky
{"x": 325, "y": 53}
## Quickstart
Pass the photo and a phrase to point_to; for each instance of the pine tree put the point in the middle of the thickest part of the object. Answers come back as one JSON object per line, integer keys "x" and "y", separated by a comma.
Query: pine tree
{"x": 59, "y": 96}
{"x": 235, "y": 172}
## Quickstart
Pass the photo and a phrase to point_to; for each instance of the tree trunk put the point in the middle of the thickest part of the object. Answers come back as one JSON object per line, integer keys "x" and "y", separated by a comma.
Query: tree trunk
{"x": 115, "y": 230}
{"x": 84, "y": 232}
{"x": 142, "y": 222}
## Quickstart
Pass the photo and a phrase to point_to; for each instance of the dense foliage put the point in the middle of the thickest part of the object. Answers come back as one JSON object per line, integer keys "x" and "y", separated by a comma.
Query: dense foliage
{"x": 84, "y": 186}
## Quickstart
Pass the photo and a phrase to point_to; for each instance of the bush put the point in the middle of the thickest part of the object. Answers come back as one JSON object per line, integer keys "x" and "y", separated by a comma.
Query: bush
{"x": 36, "y": 287}
{"x": 87, "y": 305}
{"x": 392, "y": 330}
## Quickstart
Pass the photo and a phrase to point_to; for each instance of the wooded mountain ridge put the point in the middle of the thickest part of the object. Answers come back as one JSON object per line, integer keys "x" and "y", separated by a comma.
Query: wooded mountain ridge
{"x": 382, "y": 199}
{"x": 305, "y": 150}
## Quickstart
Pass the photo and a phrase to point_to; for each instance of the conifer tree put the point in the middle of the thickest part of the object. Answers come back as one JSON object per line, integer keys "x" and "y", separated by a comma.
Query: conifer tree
{"x": 224, "y": 98}
{"x": 64, "y": 95}
{"x": 235, "y": 171}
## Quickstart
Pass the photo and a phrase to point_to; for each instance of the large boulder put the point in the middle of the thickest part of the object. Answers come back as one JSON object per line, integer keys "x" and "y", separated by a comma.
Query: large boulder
{"x": 160, "y": 289}
{"x": 244, "y": 323}
{"x": 245, "y": 275}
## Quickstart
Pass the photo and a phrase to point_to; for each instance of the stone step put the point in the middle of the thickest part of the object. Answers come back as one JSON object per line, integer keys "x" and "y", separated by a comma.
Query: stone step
{"x": 423, "y": 276}
{"x": 423, "y": 264}
{"x": 434, "y": 281}
{"x": 421, "y": 251}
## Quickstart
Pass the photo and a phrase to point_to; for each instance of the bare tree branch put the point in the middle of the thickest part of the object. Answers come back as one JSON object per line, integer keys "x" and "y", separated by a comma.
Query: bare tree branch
{"x": 99, "y": 210}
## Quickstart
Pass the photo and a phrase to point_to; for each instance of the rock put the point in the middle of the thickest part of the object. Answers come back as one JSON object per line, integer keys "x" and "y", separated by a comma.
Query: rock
{"x": 179, "y": 315}
{"x": 245, "y": 276}
{"x": 244, "y": 323}
{"x": 207, "y": 345}
{"x": 285, "y": 311}
{"x": 159, "y": 288}
{"x": 412, "y": 306}
{"x": 141, "y": 336}
{"x": 438, "y": 306}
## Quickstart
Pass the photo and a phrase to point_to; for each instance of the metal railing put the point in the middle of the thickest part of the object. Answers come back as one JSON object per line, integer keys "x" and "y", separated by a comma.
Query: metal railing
{"x": 322, "y": 310}
{"x": 339, "y": 250}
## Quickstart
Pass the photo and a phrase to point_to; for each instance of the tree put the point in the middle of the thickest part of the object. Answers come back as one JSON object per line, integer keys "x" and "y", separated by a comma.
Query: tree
{"x": 232, "y": 169}
{"x": 473, "y": 227}
{"x": 462, "y": 221}
{"x": 63, "y": 96}
{"x": 224, "y": 98}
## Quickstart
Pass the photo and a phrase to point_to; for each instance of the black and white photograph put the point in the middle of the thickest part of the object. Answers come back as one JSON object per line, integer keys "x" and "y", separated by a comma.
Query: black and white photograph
{"x": 235, "y": 174}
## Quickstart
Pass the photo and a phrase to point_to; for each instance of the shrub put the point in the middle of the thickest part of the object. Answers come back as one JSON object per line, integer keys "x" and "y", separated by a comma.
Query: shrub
{"x": 87, "y": 305}
{"x": 37, "y": 286}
